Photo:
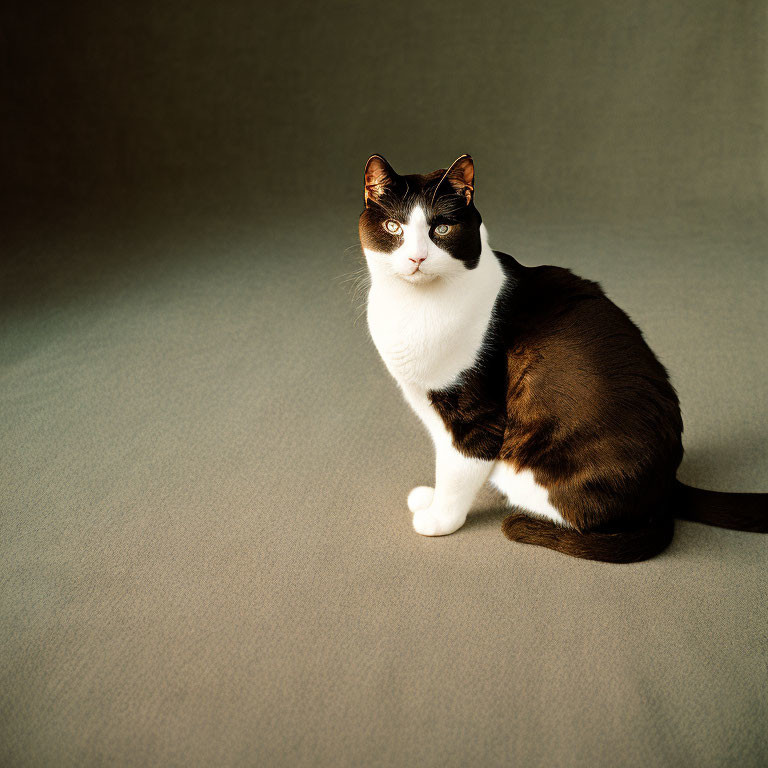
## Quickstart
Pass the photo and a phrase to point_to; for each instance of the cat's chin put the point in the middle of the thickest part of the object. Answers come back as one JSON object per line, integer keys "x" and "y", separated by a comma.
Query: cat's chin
{"x": 419, "y": 278}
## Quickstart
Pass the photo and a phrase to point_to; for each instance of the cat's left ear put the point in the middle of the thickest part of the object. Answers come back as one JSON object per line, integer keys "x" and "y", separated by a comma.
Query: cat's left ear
{"x": 380, "y": 177}
{"x": 461, "y": 178}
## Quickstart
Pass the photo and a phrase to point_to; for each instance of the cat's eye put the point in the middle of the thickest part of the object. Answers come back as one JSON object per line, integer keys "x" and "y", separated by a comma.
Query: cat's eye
{"x": 442, "y": 229}
{"x": 393, "y": 227}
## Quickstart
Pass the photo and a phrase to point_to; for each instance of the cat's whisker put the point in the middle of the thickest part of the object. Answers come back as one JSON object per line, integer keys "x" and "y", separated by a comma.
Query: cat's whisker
{"x": 357, "y": 283}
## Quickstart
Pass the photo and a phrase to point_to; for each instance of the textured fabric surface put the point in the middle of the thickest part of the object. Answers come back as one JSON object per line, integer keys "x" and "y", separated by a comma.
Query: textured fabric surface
{"x": 206, "y": 557}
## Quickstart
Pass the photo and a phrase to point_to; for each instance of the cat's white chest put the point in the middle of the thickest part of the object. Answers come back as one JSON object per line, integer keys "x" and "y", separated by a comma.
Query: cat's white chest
{"x": 426, "y": 340}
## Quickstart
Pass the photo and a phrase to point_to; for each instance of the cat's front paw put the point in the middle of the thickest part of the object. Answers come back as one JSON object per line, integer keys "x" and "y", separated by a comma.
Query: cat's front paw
{"x": 432, "y": 522}
{"x": 420, "y": 498}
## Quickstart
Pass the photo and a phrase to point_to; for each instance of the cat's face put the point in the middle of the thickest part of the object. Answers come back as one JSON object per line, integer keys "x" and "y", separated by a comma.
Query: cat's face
{"x": 420, "y": 228}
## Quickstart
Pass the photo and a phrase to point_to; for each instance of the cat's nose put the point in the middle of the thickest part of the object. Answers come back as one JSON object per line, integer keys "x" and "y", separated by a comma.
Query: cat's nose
{"x": 417, "y": 260}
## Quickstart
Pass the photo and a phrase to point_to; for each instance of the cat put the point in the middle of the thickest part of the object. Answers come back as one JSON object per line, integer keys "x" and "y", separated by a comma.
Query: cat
{"x": 527, "y": 377}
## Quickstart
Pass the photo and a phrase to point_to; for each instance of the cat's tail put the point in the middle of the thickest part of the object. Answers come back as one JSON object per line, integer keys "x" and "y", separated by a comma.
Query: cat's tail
{"x": 620, "y": 546}
{"x": 739, "y": 511}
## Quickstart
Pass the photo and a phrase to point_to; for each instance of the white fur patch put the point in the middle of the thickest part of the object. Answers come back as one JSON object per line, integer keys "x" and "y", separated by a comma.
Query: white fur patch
{"x": 523, "y": 491}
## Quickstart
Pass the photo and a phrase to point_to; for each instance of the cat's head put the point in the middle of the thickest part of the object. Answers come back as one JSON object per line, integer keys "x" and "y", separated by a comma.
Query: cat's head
{"x": 420, "y": 228}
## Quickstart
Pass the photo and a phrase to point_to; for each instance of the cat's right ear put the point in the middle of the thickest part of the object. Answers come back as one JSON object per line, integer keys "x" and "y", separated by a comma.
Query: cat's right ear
{"x": 379, "y": 179}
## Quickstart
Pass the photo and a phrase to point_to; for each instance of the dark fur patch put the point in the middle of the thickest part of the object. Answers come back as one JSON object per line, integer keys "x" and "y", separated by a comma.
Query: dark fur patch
{"x": 445, "y": 199}
{"x": 568, "y": 388}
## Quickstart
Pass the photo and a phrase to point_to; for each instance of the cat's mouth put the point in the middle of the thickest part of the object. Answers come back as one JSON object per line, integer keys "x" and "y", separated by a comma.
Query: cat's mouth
{"x": 418, "y": 276}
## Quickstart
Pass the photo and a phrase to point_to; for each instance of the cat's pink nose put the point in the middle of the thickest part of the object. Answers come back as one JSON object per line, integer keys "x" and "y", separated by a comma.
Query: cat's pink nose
{"x": 418, "y": 259}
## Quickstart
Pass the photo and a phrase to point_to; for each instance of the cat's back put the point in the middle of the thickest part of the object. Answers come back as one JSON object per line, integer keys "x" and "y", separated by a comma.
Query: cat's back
{"x": 551, "y": 310}
{"x": 545, "y": 294}
{"x": 568, "y": 343}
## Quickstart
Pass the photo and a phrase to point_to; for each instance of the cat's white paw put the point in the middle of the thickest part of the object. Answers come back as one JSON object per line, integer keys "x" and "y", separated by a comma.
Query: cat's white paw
{"x": 420, "y": 498}
{"x": 429, "y": 522}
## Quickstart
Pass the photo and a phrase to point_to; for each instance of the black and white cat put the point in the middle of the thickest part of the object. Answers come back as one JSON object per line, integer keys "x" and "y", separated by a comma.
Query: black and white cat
{"x": 528, "y": 377}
